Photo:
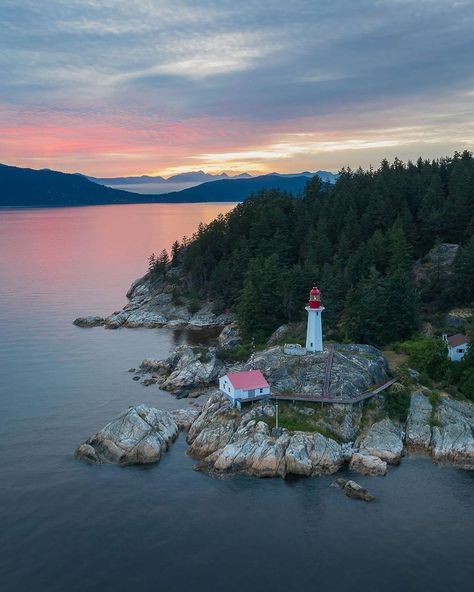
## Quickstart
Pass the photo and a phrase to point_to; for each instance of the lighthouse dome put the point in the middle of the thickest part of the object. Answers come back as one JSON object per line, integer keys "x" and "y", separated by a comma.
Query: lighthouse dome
{"x": 314, "y": 298}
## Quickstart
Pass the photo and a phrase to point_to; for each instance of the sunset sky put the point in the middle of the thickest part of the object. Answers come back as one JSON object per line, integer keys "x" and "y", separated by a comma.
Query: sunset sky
{"x": 114, "y": 87}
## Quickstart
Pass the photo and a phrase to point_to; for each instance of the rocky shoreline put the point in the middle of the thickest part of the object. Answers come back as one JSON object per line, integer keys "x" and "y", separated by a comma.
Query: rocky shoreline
{"x": 151, "y": 305}
{"x": 226, "y": 441}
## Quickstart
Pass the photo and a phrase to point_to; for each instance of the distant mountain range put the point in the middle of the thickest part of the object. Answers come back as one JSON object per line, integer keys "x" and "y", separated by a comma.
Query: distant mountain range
{"x": 21, "y": 187}
{"x": 158, "y": 185}
{"x": 147, "y": 184}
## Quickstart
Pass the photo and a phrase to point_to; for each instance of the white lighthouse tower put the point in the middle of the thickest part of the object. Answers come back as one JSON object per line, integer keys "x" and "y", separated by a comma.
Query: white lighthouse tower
{"x": 314, "y": 331}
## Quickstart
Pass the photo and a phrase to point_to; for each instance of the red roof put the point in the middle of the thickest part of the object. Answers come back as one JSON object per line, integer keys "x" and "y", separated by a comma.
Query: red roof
{"x": 457, "y": 339}
{"x": 253, "y": 379}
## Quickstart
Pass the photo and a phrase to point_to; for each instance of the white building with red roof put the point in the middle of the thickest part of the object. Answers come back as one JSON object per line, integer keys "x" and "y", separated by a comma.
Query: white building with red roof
{"x": 457, "y": 346}
{"x": 240, "y": 387}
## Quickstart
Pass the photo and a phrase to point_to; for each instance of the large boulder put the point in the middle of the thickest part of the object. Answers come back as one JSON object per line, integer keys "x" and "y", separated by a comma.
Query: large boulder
{"x": 312, "y": 454}
{"x": 384, "y": 439}
{"x": 140, "y": 435}
{"x": 366, "y": 464}
{"x": 418, "y": 426}
{"x": 452, "y": 439}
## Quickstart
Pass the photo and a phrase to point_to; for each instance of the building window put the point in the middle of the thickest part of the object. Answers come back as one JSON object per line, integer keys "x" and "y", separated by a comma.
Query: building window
{"x": 460, "y": 351}
{"x": 261, "y": 390}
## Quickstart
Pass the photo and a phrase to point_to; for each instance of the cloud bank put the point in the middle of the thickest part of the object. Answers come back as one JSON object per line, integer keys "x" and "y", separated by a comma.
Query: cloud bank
{"x": 111, "y": 87}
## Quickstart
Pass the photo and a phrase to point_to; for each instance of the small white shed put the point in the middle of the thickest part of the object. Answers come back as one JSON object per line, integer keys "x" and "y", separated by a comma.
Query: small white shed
{"x": 239, "y": 387}
{"x": 457, "y": 346}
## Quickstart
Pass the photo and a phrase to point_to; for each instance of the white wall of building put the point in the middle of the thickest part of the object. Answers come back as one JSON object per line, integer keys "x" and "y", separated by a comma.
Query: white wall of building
{"x": 456, "y": 354}
{"x": 226, "y": 387}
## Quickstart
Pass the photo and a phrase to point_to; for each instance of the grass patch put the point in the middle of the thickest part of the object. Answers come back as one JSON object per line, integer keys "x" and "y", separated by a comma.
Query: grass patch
{"x": 291, "y": 417}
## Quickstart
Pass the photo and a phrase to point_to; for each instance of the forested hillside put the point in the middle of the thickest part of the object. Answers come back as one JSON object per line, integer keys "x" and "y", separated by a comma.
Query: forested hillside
{"x": 357, "y": 240}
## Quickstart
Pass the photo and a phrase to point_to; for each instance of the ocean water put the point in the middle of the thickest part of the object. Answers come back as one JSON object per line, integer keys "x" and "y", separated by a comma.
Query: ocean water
{"x": 67, "y": 526}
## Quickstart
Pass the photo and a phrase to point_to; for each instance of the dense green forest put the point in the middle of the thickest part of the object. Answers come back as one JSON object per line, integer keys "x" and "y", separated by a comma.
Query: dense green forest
{"x": 357, "y": 240}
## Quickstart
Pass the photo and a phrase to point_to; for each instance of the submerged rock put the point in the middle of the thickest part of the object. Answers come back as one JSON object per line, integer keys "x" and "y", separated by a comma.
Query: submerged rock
{"x": 140, "y": 435}
{"x": 366, "y": 464}
{"x": 352, "y": 489}
{"x": 384, "y": 440}
{"x": 418, "y": 427}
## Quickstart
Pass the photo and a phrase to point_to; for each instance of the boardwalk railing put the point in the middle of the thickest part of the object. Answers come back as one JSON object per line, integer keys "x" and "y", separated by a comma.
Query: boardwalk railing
{"x": 326, "y": 399}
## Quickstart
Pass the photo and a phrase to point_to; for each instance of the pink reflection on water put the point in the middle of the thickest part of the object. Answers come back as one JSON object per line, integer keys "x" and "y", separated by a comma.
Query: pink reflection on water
{"x": 84, "y": 259}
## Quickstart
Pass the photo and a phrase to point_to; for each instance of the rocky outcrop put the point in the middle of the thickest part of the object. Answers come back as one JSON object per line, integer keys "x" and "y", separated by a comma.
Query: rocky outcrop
{"x": 384, "y": 439}
{"x": 184, "y": 418}
{"x": 439, "y": 260}
{"x": 226, "y": 441}
{"x": 418, "y": 426}
{"x": 312, "y": 454}
{"x": 352, "y": 489}
{"x": 186, "y": 367}
{"x": 89, "y": 321}
{"x": 229, "y": 337}
{"x": 366, "y": 464}
{"x": 355, "y": 369}
{"x": 152, "y": 305}
{"x": 452, "y": 440}
{"x": 140, "y": 435}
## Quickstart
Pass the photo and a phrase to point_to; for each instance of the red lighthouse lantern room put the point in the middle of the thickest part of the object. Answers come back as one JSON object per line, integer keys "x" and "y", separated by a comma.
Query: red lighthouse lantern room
{"x": 314, "y": 298}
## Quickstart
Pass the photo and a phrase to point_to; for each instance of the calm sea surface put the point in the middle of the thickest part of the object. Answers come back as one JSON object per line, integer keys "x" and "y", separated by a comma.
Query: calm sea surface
{"x": 67, "y": 526}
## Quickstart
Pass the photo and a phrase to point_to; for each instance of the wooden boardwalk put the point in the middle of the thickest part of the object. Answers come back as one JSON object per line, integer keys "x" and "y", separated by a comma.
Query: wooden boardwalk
{"x": 334, "y": 399}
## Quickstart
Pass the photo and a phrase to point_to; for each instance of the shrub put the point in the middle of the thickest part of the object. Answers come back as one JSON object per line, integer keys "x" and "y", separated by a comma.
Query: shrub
{"x": 239, "y": 353}
{"x": 396, "y": 403}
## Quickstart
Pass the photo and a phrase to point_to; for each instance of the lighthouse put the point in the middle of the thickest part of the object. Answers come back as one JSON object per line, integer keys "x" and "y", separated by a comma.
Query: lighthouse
{"x": 314, "y": 331}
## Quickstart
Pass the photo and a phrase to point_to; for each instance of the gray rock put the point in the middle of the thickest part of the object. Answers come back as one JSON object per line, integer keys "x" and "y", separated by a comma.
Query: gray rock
{"x": 226, "y": 441}
{"x": 151, "y": 305}
{"x": 384, "y": 440}
{"x": 184, "y": 418}
{"x": 366, "y": 464}
{"x": 354, "y": 490}
{"x": 418, "y": 427}
{"x": 355, "y": 369}
{"x": 140, "y": 435}
{"x": 186, "y": 367}
{"x": 92, "y": 321}
{"x": 312, "y": 454}
{"x": 452, "y": 439}
{"x": 229, "y": 337}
